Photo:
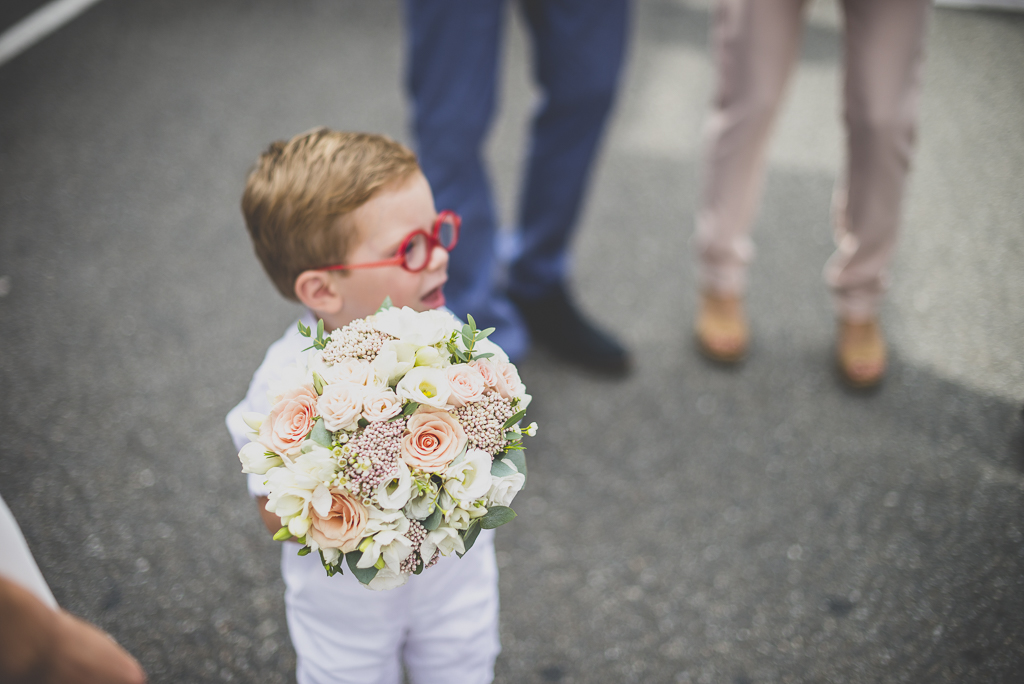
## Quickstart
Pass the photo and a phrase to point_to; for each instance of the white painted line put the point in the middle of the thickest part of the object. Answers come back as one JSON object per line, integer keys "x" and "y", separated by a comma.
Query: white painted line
{"x": 38, "y": 25}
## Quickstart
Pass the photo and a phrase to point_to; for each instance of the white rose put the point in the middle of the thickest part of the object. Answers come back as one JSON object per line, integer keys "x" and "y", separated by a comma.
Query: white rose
{"x": 425, "y": 385}
{"x": 469, "y": 479}
{"x": 341, "y": 406}
{"x": 504, "y": 489}
{"x": 395, "y": 492}
{"x": 394, "y": 360}
{"x": 381, "y": 405}
{"x": 256, "y": 459}
{"x": 421, "y": 328}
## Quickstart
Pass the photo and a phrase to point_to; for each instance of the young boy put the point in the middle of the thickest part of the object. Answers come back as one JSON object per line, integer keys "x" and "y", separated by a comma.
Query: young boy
{"x": 321, "y": 200}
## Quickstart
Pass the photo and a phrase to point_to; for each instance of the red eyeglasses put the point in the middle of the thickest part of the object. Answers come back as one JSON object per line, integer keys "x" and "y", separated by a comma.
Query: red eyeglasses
{"x": 414, "y": 252}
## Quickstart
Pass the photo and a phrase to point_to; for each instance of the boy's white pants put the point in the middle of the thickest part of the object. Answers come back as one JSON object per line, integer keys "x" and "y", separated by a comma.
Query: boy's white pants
{"x": 443, "y": 624}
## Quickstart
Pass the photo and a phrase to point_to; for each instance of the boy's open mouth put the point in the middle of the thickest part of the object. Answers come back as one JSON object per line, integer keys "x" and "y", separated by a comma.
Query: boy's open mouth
{"x": 434, "y": 298}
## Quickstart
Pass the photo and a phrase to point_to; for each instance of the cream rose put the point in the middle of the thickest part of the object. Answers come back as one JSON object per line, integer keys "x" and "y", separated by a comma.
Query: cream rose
{"x": 355, "y": 371}
{"x": 508, "y": 383}
{"x": 342, "y": 527}
{"x": 433, "y": 440}
{"x": 290, "y": 420}
{"x": 381, "y": 405}
{"x": 341, "y": 405}
{"x": 466, "y": 384}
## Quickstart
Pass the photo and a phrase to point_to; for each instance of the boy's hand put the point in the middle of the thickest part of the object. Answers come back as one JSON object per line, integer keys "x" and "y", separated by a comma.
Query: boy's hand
{"x": 270, "y": 520}
{"x": 44, "y": 646}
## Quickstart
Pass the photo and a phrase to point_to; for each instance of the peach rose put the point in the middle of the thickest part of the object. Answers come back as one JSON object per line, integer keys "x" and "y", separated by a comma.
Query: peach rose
{"x": 433, "y": 440}
{"x": 290, "y": 420}
{"x": 508, "y": 384}
{"x": 342, "y": 527}
{"x": 486, "y": 368}
{"x": 466, "y": 382}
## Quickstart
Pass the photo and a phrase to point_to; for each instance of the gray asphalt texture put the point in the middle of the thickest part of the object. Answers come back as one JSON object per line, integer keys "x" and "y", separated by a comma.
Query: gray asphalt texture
{"x": 688, "y": 524}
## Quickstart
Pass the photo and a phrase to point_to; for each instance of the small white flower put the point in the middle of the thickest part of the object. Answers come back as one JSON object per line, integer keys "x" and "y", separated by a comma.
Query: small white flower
{"x": 470, "y": 479}
{"x": 531, "y": 430}
{"x": 387, "y": 578}
{"x": 394, "y": 493}
{"x": 256, "y": 459}
{"x": 394, "y": 360}
{"x": 445, "y": 539}
{"x": 425, "y": 385}
{"x": 421, "y": 505}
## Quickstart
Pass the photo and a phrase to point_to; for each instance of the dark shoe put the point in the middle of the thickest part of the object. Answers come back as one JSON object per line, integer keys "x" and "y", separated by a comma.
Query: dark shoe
{"x": 555, "y": 323}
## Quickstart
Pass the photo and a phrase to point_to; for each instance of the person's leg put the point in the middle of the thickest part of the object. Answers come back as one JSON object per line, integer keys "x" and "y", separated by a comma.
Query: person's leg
{"x": 884, "y": 54}
{"x": 451, "y": 74}
{"x": 578, "y": 52}
{"x": 453, "y": 634}
{"x": 755, "y": 44}
{"x": 342, "y": 632}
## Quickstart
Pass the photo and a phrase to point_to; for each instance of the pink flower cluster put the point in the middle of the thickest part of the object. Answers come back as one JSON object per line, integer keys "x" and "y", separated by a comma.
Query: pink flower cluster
{"x": 377, "y": 449}
{"x": 357, "y": 340}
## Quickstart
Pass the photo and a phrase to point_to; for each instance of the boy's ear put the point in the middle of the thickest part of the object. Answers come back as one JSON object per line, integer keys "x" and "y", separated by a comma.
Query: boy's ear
{"x": 319, "y": 292}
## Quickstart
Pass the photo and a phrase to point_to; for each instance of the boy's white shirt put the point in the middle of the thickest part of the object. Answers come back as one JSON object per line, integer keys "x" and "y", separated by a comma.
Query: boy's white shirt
{"x": 470, "y": 581}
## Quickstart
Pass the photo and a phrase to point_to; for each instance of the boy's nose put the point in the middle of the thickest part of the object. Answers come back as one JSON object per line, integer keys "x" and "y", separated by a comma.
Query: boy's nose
{"x": 438, "y": 258}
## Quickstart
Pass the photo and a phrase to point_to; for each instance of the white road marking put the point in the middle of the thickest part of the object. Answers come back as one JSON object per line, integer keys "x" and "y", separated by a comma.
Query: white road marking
{"x": 38, "y": 25}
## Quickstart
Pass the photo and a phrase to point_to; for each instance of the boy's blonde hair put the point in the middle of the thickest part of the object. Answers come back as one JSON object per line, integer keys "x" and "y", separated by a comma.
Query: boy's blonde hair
{"x": 299, "y": 197}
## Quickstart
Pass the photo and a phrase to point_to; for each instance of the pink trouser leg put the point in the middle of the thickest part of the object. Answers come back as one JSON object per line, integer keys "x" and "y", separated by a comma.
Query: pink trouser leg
{"x": 884, "y": 49}
{"x": 755, "y": 45}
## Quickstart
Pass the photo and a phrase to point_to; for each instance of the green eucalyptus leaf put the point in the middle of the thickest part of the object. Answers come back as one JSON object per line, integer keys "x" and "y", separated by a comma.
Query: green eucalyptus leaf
{"x": 433, "y": 520}
{"x": 410, "y": 408}
{"x": 386, "y": 304}
{"x": 364, "y": 575}
{"x": 484, "y": 355}
{"x": 514, "y": 419}
{"x": 484, "y": 334}
{"x": 472, "y": 323}
{"x": 501, "y": 469}
{"x": 320, "y": 434}
{"x": 304, "y": 330}
{"x": 518, "y": 459}
{"x": 513, "y": 436}
{"x": 469, "y": 536}
{"x": 496, "y": 516}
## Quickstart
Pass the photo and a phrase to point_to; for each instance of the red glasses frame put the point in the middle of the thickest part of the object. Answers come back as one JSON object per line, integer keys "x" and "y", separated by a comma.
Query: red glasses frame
{"x": 432, "y": 241}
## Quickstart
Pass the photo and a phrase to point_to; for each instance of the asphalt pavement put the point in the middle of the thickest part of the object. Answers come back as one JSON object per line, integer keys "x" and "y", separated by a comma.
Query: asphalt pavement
{"x": 688, "y": 524}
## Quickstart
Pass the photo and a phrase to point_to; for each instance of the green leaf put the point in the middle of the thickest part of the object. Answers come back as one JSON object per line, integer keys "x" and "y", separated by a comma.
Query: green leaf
{"x": 320, "y": 434}
{"x": 386, "y": 304}
{"x": 500, "y": 469}
{"x": 484, "y": 355}
{"x": 513, "y": 436}
{"x": 363, "y": 422}
{"x": 419, "y": 568}
{"x": 318, "y": 383}
{"x": 514, "y": 419}
{"x": 433, "y": 520}
{"x": 304, "y": 551}
{"x": 282, "y": 534}
{"x": 469, "y": 536}
{"x": 496, "y": 516}
{"x": 484, "y": 334}
{"x": 410, "y": 408}
{"x": 364, "y": 575}
{"x": 518, "y": 459}
{"x": 472, "y": 323}
{"x": 467, "y": 341}
{"x": 304, "y": 330}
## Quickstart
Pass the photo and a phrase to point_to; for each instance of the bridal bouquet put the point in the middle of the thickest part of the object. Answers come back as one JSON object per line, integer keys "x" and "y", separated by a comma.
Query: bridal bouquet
{"x": 397, "y": 444}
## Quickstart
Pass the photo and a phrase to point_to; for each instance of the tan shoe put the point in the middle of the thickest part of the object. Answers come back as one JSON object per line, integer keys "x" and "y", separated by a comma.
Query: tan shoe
{"x": 722, "y": 327}
{"x": 861, "y": 353}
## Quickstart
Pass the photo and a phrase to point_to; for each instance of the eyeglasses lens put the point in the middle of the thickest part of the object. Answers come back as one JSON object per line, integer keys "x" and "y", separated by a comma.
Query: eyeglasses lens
{"x": 416, "y": 252}
{"x": 446, "y": 233}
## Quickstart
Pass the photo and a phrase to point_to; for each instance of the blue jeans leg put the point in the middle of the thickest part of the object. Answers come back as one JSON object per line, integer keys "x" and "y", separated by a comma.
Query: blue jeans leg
{"x": 451, "y": 78}
{"x": 579, "y": 47}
